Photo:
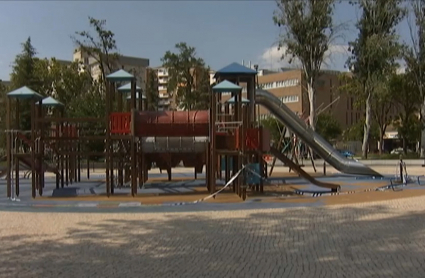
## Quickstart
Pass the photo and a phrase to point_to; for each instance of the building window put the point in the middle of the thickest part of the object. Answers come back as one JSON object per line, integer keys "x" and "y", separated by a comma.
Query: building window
{"x": 289, "y": 99}
{"x": 280, "y": 84}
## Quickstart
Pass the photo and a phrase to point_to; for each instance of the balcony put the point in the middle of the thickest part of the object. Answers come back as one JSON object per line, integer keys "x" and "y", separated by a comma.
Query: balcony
{"x": 162, "y": 73}
{"x": 163, "y": 80}
{"x": 164, "y": 102}
{"x": 164, "y": 95}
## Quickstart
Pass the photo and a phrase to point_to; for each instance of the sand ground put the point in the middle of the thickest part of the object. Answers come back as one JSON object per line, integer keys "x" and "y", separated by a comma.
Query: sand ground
{"x": 376, "y": 239}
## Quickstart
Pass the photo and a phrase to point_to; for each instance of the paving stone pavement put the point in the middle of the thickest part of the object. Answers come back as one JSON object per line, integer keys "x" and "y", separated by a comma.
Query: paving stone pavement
{"x": 382, "y": 239}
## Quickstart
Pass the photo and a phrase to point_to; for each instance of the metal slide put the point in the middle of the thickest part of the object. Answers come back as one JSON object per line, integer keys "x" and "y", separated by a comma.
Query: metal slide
{"x": 296, "y": 168}
{"x": 311, "y": 138}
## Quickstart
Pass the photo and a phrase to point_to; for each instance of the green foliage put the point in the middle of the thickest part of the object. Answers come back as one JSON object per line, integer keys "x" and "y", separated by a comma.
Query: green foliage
{"x": 69, "y": 85}
{"x": 24, "y": 73}
{"x": 414, "y": 53}
{"x": 308, "y": 30}
{"x": 200, "y": 95}
{"x": 414, "y": 56}
{"x": 188, "y": 77}
{"x": 274, "y": 126}
{"x": 408, "y": 101}
{"x": 91, "y": 103}
{"x": 356, "y": 132}
{"x": 370, "y": 64}
{"x": 328, "y": 127}
{"x": 152, "y": 93}
{"x": 101, "y": 47}
{"x": 3, "y": 101}
{"x": 410, "y": 129}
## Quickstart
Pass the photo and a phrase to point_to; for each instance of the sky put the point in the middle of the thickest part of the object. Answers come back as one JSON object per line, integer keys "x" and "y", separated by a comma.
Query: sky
{"x": 222, "y": 32}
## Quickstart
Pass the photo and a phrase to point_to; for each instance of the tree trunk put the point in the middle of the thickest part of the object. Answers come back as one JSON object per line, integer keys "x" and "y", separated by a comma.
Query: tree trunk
{"x": 404, "y": 146}
{"x": 380, "y": 144}
{"x": 312, "y": 102}
{"x": 368, "y": 121}
{"x": 422, "y": 141}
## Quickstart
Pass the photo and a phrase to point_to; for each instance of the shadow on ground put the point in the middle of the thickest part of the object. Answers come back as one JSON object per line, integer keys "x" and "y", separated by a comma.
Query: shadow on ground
{"x": 322, "y": 242}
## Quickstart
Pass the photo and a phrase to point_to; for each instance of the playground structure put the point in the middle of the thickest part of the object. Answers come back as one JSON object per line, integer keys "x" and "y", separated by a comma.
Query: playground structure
{"x": 226, "y": 138}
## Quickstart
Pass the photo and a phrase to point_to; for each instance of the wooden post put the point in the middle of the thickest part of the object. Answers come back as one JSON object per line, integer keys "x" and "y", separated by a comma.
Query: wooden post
{"x": 56, "y": 135}
{"x": 41, "y": 149}
{"x": 133, "y": 144}
{"x": 33, "y": 170}
{"x": 79, "y": 154}
{"x": 212, "y": 154}
{"x": 8, "y": 148}
{"x": 62, "y": 148}
{"x": 108, "y": 137}
{"x": 67, "y": 156}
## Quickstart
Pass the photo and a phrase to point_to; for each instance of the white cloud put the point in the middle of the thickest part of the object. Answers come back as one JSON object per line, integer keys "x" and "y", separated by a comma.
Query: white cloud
{"x": 335, "y": 58}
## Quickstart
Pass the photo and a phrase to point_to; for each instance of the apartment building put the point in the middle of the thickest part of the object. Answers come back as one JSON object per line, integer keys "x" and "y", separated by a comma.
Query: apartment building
{"x": 134, "y": 65}
{"x": 167, "y": 99}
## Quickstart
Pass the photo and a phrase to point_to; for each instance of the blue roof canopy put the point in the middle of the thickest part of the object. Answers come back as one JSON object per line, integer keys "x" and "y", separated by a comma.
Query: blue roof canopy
{"x": 24, "y": 93}
{"x": 49, "y": 101}
{"x": 127, "y": 88}
{"x": 235, "y": 69}
{"x": 232, "y": 100}
{"x": 226, "y": 87}
{"x": 137, "y": 96}
{"x": 119, "y": 76}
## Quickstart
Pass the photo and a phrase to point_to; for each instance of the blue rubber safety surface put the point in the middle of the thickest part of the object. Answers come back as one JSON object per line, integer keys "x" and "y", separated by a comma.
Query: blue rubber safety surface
{"x": 95, "y": 186}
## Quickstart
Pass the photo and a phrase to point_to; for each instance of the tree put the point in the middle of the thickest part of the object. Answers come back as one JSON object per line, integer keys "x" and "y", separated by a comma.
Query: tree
{"x": 356, "y": 132}
{"x": 202, "y": 88}
{"x": 186, "y": 77}
{"x": 68, "y": 84}
{"x": 409, "y": 130}
{"x": 308, "y": 30}
{"x": 152, "y": 92}
{"x": 3, "y": 101}
{"x": 407, "y": 97}
{"x": 383, "y": 104}
{"x": 414, "y": 56}
{"x": 328, "y": 127}
{"x": 102, "y": 47}
{"x": 24, "y": 73}
{"x": 373, "y": 53}
{"x": 92, "y": 104}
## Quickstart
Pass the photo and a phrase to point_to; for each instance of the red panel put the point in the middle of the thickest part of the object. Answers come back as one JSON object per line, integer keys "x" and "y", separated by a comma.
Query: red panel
{"x": 252, "y": 139}
{"x": 172, "y": 123}
{"x": 120, "y": 123}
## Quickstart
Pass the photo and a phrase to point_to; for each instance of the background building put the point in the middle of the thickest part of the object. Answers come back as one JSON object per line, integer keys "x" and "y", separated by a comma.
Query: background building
{"x": 133, "y": 65}
{"x": 290, "y": 87}
{"x": 166, "y": 99}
